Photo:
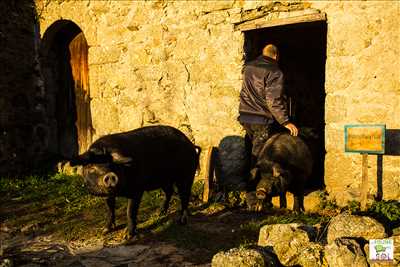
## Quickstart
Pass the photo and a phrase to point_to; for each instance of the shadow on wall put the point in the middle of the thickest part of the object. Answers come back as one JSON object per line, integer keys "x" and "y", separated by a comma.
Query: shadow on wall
{"x": 232, "y": 164}
{"x": 392, "y": 142}
{"x": 392, "y": 148}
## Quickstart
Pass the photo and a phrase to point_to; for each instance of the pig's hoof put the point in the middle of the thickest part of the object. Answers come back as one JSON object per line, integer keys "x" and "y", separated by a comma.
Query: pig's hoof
{"x": 183, "y": 220}
{"x": 297, "y": 212}
{"x": 131, "y": 238}
{"x": 268, "y": 205}
{"x": 107, "y": 230}
{"x": 259, "y": 207}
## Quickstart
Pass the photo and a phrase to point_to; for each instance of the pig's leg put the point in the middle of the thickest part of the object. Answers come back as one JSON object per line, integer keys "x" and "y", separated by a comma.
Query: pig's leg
{"x": 268, "y": 202}
{"x": 184, "y": 191}
{"x": 131, "y": 212}
{"x": 298, "y": 205}
{"x": 110, "y": 201}
{"x": 168, "y": 190}
{"x": 282, "y": 200}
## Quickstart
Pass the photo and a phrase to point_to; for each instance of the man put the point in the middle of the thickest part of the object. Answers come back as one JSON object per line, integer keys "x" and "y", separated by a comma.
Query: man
{"x": 262, "y": 100}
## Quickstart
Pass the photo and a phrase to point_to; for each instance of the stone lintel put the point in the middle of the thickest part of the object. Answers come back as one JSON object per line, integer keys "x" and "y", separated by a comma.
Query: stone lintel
{"x": 263, "y": 23}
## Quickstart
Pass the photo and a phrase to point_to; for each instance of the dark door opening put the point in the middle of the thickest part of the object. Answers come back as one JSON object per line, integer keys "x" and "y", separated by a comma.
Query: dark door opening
{"x": 302, "y": 56}
{"x": 64, "y": 63}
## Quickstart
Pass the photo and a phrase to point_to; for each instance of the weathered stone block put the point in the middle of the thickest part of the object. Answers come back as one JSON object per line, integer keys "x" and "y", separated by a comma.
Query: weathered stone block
{"x": 99, "y": 7}
{"x": 106, "y": 120}
{"x": 110, "y": 35}
{"x": 339, "y": 71}
{"x": 312, "y": 256}
{"x": 130, "y": 118}
{"x": 241, "y": 257}
{"x": 345, "y": 252}
{"x": 149, "y": 73}
{"x": 287, "y": 240}
{"x": 353, "y": 226}
{"x": 335, "y": 110}
{"x": 215, "y": 5}
{"x": 334, "y": 139}
{"x": 340, "y": 172}
{"x": 104, "y": 55}
{"x": 216, "y": 17}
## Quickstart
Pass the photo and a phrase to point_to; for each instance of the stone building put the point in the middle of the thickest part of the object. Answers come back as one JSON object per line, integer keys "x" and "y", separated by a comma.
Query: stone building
{"x": 99, "y": 67}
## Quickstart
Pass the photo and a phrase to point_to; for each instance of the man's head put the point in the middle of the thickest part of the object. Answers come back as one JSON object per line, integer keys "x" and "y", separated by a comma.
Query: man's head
{"x": 271, "y": 51}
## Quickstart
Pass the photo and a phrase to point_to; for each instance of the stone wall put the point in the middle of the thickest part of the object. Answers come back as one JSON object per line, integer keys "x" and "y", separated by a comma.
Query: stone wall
{"x": 179, "y": 63}
{"x": 23, "y": 132}
{"x": 362, "y": 86}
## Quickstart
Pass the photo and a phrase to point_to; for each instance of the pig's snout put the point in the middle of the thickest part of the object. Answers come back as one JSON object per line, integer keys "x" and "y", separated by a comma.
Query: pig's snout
{"x": 264, "y": 187}
{"x": 110, "y": 179}
{"x": 261, "y": 193}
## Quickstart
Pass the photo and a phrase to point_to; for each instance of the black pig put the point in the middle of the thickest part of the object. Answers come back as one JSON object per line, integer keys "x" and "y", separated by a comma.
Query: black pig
{"x": 129, "y": 163}
{"x": 284, "y": 164}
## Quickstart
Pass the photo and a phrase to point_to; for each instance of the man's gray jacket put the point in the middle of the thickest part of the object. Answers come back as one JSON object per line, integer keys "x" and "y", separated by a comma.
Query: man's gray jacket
{"x": 262, "y": 91}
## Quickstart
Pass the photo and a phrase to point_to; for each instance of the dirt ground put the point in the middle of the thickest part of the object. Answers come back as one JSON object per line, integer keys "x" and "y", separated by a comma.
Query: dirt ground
{"x": 164, "y": 243}
{"x": 209, "y": 231}
{"x": 52, "y": 221}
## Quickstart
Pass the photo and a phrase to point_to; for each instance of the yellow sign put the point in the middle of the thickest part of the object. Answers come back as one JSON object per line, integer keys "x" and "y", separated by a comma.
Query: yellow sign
{"x": 365, "y": 138}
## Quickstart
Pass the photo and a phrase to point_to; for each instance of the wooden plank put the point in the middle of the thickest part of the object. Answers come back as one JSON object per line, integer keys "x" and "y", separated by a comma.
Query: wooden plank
{"x": 364, "y": 182}
{"x": 78, "y": 49}
{"x": 210, "y": 166}
{"x": 263, "y": 23}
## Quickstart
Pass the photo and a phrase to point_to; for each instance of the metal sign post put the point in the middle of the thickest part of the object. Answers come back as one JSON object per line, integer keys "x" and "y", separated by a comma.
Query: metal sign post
{"x": 365, "y": 139}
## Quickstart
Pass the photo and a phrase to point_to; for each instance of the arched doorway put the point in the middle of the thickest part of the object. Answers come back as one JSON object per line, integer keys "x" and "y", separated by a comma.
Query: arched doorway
{"x": 64, "y": 61}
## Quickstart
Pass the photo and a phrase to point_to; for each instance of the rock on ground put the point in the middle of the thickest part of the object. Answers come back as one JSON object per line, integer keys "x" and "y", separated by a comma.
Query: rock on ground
{"x": 312, "y": 256}
{"x": 243, "y": 257}
{"x": 288, "y": 241}
{"x": 345, "y": 252}
{"x": 346, "y": 225}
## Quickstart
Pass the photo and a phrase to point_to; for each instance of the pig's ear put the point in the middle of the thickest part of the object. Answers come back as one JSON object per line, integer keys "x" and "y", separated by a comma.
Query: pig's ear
{"x": 276, "y": 170}
{"x": 93, "y": 155}
{"x": 117, "y": 158}
{"x": 95, "y": 151}
{"x": 254, "y": 173}
{"x": 81, "y": 159}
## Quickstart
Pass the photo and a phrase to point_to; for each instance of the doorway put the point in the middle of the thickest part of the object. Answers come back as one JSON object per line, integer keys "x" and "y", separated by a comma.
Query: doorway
{"x": 64, "y": 61}
{"x": 302, "y": 57}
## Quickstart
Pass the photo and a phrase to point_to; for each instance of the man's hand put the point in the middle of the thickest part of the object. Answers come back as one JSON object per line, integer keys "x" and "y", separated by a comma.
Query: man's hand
{"x": 292, "y": 128}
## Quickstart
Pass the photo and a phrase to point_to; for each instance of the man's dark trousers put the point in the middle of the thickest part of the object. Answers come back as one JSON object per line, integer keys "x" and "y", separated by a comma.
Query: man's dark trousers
{"x": 256, "y": 136}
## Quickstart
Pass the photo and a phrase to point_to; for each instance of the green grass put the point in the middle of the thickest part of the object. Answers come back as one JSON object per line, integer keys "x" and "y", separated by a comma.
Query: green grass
{"x": 310, "y": 219}
{"x": 55, "y": 203}
{"x": 385, "y": 211}
{"x": 60, "y": 204}
{"x": 390, "y": 209}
